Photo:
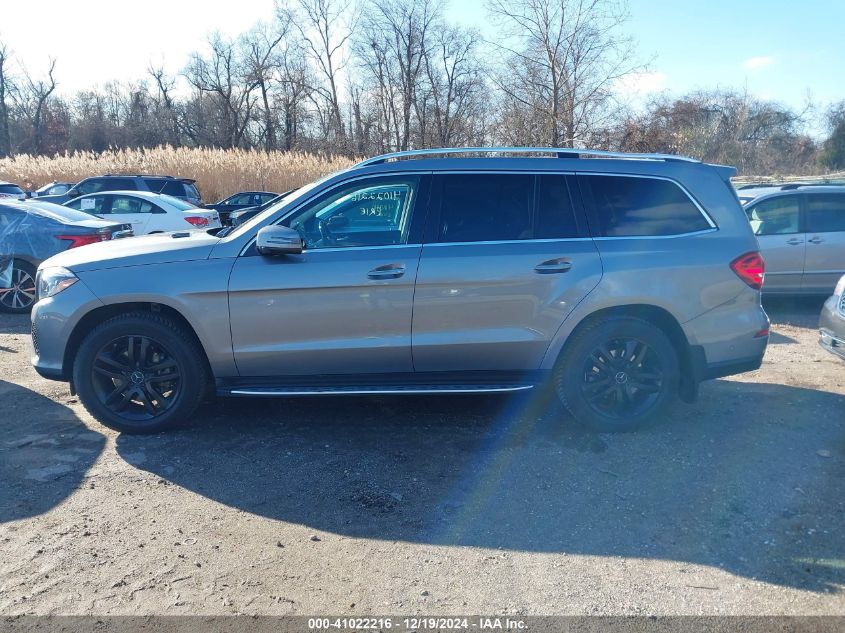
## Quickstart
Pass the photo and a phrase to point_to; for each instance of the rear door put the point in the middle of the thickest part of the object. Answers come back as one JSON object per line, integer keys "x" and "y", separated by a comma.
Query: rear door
{"x": 824, "y": 221}
{"x": 777, "y": 224}
{"x": 506, "y": 258}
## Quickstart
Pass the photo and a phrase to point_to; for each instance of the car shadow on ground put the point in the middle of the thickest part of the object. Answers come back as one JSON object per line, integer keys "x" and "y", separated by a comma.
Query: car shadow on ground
{"x": 44, "y": 461}
{"x": 718, "y": 483}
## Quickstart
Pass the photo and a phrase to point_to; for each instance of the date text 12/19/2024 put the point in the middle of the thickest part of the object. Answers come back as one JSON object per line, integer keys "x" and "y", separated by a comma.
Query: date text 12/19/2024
{"x": 419, "y": 623}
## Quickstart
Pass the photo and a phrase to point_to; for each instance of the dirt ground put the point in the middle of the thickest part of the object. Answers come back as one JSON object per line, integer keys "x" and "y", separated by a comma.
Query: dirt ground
{"x": 458, "y": 505}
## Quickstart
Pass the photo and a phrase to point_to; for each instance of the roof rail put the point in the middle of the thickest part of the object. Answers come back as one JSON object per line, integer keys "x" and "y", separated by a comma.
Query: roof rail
{"x": 567, "y": 152}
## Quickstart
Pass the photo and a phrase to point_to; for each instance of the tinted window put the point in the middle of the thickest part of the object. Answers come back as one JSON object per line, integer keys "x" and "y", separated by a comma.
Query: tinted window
{"x": 127, "y": 205}
{"x": 374, "y": 212}
{"x": 485, "y": 207}
{"x": 94, "y": 185}
{"x": 555, "y": 213}
{"x": 631, "y": 206}
{"x": 775, "y": 216}
{"x": 825, "y": 213}
{"x": 12, "y": 190}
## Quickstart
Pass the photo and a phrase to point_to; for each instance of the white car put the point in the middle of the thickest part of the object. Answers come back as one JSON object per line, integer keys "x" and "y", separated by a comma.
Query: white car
{"x": 146, "y": 212}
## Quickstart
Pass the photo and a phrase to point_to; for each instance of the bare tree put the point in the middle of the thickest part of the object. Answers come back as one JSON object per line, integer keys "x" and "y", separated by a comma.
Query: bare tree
{"x": 226, "y": 79}
{"x": 455, "y": 85}
{"x": 31, "y": 97}
{"x": 562, "y": 61}
{"x": 325, "y": 27}
{"x": 5, "y": 85}
{"x": 263, "y": 63}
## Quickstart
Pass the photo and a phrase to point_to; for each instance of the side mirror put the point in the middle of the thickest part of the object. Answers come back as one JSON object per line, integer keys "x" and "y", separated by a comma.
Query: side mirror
{"x": 278, "y": 240}
{"x": 72, "y": 193}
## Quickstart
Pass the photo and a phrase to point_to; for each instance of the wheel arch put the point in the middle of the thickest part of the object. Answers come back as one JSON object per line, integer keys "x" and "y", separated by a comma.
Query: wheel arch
{"x": 659, "y": 316}
{"x": 98, "y": 315}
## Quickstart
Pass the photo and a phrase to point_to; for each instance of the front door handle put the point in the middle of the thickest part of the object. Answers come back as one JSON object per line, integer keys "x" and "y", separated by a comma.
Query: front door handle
{"x": 552, "y": 266}
{"x": 794, "y": 241}
{"x": 815, "y": 240}
{"x": 388, "y": 271}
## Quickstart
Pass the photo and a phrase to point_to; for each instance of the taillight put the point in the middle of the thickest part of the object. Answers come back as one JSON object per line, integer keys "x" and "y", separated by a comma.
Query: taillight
{"x": 82, "y": 240}
{"x": 750, "y": 268}
{"x": 197, "y": 220}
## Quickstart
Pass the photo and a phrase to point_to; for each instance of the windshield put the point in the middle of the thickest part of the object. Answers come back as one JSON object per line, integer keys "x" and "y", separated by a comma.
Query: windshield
{"x": 293, "y": 197}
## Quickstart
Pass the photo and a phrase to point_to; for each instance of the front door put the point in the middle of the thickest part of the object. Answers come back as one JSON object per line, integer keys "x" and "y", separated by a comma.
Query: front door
{"x": 506, "y": 259}
{"x": 825, "y": 226}
{"x": 777, "y": 224}
{"x": 344, "y": 305}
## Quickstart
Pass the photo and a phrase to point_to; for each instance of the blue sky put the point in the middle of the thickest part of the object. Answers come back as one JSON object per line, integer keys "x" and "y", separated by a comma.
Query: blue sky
{"x": 780, "y": 50}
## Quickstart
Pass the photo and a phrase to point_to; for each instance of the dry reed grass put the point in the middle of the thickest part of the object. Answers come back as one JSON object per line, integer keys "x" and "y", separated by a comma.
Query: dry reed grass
{"x": 218, "y": 172}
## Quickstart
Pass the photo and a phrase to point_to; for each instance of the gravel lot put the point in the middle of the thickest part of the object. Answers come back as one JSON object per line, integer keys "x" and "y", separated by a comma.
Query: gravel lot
{"x": 456, "y": 505}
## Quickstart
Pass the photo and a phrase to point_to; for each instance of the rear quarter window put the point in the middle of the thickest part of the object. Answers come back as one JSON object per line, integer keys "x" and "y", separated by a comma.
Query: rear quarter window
{"x": 634, "y": 206}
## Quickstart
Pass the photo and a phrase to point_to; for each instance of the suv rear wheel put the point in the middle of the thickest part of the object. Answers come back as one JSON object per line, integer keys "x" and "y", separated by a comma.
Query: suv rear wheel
{"x": 617, "y": 374}
{"x": 140, "y": 373}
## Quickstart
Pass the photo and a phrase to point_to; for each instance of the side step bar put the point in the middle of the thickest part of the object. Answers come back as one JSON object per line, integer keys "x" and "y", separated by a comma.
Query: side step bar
{"x": 349, "y": 390}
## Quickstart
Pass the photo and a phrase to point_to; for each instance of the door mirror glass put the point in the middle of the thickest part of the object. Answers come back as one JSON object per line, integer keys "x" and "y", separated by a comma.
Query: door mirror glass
{"x": 278, "y": 240}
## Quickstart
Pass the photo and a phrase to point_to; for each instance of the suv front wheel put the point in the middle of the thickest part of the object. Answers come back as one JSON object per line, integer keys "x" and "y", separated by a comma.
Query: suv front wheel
{"x": 140, "y": 373}
{"x": 617, "y": 374}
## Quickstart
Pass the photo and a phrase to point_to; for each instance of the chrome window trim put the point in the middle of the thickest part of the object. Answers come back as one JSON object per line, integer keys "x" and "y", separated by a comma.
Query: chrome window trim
{"x": 495, "y": 242}
{"x": 680, "y": 186}
{"x": 337, "y": 249}
{"x": 656, "y": 237}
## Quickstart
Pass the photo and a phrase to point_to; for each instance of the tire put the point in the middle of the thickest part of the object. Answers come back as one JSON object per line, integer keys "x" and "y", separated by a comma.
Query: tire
{"x": 22, "y": 295}
{"x": 140, "y": 373}
{"x": 617, "y": 374}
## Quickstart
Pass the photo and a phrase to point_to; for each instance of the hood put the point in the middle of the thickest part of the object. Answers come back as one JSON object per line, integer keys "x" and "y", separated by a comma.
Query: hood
{"x": 160, "y": 248}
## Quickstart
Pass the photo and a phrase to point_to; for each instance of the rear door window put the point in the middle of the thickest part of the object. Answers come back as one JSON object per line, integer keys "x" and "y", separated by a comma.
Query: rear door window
{"x": 632, "y": 206}
{"x": 775, "y": 216}
{"x": 485, "y": 207}
{"x": 555, "y": 209}
{"x": 122, "y": 205}
{"x": 825, "y": 213}
{"x": 93, "y": 185}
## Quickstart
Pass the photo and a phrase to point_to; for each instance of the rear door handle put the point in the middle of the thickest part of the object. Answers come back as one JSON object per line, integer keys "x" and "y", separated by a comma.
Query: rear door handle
{"x": 552, "y": 266}
{"x": 388, "y": 271}
{"x": 815, "y": 240}
{"x": 794, "y": 241}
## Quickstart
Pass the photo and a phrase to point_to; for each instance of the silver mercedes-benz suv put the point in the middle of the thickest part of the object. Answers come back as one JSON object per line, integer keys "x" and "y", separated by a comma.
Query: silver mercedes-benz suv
{"x": 619, "y": 281}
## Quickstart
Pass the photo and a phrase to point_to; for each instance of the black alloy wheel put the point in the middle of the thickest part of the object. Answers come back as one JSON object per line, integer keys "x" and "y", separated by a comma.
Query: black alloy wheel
{"x": 622, "y": 378}
{"x": 136, "y": 377}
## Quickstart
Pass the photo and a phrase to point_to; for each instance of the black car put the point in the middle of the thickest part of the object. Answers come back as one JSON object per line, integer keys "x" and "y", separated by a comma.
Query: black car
{"x": 30, "y": 232}
{"x": 832, "y": 322}
{"x": 182, "y": 188}
{"x": 241, "y": 200}
{"x": 236, "y": 218}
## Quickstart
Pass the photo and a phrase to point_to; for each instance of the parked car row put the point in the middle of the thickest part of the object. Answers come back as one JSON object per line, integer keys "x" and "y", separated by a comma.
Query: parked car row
{"x": 31, "y": 232}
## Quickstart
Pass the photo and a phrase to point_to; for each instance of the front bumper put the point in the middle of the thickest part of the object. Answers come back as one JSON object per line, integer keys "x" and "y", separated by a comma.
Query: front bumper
{"x": 53, "y": 322}
{"x": 832, "y": 327}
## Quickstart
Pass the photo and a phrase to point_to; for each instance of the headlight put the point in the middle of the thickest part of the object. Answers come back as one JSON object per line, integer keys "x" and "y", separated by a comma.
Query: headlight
{"x": 51, "y": 281}
{"x": 840, "y": 287}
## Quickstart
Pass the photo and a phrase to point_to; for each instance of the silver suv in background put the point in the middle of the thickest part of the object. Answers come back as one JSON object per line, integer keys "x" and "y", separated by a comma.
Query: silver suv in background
{"x": 620, "y": 281}
{"x": 801, "y": 231}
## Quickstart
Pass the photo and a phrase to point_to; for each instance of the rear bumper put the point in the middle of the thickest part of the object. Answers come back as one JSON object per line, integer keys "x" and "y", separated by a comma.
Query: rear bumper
{"x": 708, "y": 371}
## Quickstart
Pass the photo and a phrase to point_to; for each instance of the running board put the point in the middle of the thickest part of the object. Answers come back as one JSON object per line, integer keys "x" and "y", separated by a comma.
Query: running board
{"x": 349, "y": 390}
